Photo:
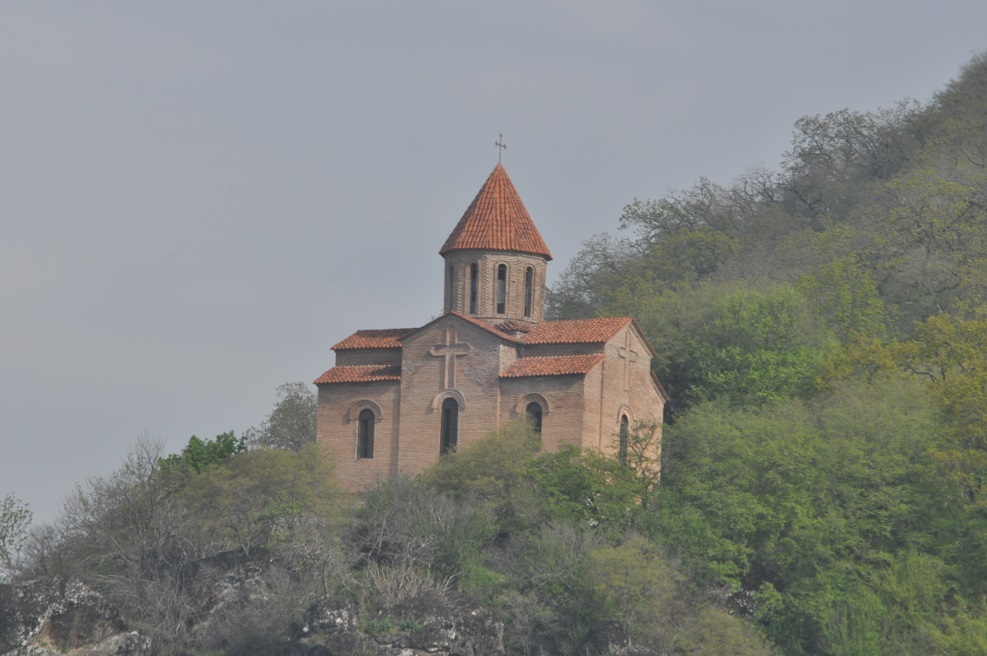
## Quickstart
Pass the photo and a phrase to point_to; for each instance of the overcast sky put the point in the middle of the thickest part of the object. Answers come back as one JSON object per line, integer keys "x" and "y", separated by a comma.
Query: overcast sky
{"x": 198, "y": 199}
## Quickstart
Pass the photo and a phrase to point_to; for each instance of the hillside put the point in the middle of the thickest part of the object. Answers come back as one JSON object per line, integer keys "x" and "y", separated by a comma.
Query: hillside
{"x": 822, "y": 331}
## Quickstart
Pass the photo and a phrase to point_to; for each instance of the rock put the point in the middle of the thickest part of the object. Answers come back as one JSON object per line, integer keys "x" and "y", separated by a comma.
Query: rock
{"x": 428, "y": 624}
{"x": 52, "y": 616}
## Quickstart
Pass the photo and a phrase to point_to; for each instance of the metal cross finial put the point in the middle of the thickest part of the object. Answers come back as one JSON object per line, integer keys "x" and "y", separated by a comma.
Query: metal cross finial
{"x": 501, "y": 145}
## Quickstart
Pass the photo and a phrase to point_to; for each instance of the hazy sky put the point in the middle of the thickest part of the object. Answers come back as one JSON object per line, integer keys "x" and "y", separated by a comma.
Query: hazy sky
{"x": 198, "y": 199}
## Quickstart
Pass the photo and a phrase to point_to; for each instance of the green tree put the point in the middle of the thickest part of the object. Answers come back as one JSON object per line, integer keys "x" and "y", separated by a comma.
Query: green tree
{"x": 201, "y": 455}
{"x": 746, "y": 345}
{"x": 253, "y": 498}
{"x": 291, "y": 423}
{"x": 632, "y": 581}
{"x": 492, "y": 471}
{"x": 803, "y": 505}
{"x": 845, "y": 296}
{"x": 589, "y": 488}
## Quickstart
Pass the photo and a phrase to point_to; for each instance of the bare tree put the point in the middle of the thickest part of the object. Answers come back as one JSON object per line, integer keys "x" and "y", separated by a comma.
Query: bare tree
{"x": 291, "y": 423}
{"x": 14, "y": 520}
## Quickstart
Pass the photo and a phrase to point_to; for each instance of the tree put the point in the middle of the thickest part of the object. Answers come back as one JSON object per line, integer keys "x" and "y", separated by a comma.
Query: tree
{"x": 14, "y": 520}
{"x": 845, "y": 296}
{"x": 252, "y": 499}
{"x": 492, "y": 471}
{"x": 201, "y": 455}
{"x": 748, "y": 345}
{"x": 291, "y": 423}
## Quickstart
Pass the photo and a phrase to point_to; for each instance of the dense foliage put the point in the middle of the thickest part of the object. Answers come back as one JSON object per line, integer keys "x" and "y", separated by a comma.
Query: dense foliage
{"x": 821, "y": 329}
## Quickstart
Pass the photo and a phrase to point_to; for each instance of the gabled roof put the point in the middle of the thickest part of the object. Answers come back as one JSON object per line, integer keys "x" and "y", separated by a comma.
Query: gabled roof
{"x": 374, "y": 339}
{"x": 576, "y": 331}
{"x": 360, "y": 373}
{"x": 497, "y": 220}
{"x": 553, "y": 365}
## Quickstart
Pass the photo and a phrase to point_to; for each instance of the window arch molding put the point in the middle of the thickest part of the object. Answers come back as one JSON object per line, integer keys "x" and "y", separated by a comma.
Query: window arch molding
{"x": 625, "y": 411}
{"x": 353, "y": 413}
{"x": 436, "y": 403}
{"x": 521, "y": 407}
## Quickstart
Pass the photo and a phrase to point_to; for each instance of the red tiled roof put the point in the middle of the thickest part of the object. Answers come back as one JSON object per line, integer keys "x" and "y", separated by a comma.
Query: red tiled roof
{"x": 576, "y": 331}
{"x": 511, "y": 326}
{"x": 374, "y": 339}
{"x": 497, "y": 220}
{"x": 360, "y": 373}
{"x": 552, "y": 365}
{"x": 485, "y": 326}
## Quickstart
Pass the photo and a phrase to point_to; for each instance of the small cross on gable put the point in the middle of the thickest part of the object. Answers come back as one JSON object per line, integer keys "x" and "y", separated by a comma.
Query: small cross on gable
{"x": 629, "y": 356}
{"x": 449, "y": 351}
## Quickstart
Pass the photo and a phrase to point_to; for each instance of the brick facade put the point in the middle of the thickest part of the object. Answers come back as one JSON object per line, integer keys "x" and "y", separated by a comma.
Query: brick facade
{"x": 485, "y": 361}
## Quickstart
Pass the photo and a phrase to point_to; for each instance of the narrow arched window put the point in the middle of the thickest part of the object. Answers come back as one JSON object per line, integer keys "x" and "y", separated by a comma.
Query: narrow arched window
{"x": 625, "y": 434}
{"x": 450, "y": 288}
{"x": 533, "y": 413}
{"x": 529, "y": 290}
{"x": 450, "y": 426}
{"x": 365, "y": 434}
{"x": 474, "y": 280}
{"x": 501, "y": 289}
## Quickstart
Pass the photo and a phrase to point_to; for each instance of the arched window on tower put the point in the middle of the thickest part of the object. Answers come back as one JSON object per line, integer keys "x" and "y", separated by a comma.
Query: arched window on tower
{"x": 450, "y": 426}
{"x": 625, "y": 434}
{"x": 450, "y": 289}
{"x": 502, "y": 289}
{"x": 533, "y": 413}
{"x": 529, "y": 290}
{"x": 474, "y": 281}
{"x": 365, "y": 434}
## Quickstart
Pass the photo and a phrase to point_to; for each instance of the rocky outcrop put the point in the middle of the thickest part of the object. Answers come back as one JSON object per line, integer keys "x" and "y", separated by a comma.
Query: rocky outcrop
{"x": 427, "y": 624}
{"x": 52, "y": 616}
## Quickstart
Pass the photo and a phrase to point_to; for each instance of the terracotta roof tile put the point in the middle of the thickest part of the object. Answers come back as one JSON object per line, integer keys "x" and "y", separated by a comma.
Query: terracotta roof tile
{"x": 486, "y": 326}
{"x": 359, "y": 373}
{"x": 497, "y": 220}
{"x": 374, "y": 339}
{"x": 553, "y": 365}
{"x": 576, "y": 331}
{"x": 511, "y": 326}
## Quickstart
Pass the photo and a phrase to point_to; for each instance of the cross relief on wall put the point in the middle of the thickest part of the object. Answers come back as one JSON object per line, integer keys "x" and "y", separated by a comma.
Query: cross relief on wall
{"x": 629, "y": 356}
{"x": 449, "y": 351}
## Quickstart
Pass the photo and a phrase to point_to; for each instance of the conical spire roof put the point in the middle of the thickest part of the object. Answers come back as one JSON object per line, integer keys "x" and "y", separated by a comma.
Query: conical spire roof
{"x": 497, "y": 220}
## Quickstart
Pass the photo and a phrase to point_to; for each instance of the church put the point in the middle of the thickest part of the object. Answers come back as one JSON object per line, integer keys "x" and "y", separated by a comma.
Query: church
{"x": 398, "y": 399}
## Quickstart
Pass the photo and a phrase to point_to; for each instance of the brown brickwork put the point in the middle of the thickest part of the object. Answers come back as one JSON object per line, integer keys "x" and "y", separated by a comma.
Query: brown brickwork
{"x": 585, "y": 375}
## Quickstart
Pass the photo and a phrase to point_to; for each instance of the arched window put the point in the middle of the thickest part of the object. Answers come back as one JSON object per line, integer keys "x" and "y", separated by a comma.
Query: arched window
{"x": 529, "y": 290}
{"x": 450, "y": 426}
{"x": 501, "y": 289}
{"x": 625, "y": 433}
{"x": 474, "y": 280}
{"x": 450, "y": 288}
{"x": 533, "y": 413}
{"x": 365, "y": 434}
